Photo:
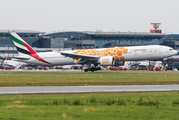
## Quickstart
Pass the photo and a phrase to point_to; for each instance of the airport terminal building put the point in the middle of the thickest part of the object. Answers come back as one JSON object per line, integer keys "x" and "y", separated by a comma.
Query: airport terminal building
{"x": 28, "y": 35}
{"x": 99, "y": 39}
{"x": 86, "y": 40}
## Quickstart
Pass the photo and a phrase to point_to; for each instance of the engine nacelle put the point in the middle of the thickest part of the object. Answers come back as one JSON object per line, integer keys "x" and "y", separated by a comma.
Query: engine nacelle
{"x": 107, "y": 61}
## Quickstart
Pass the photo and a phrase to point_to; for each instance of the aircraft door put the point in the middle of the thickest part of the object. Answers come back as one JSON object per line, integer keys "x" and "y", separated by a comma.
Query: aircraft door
{"x": 150, "y": 53}
{"x": 137, "y": 54}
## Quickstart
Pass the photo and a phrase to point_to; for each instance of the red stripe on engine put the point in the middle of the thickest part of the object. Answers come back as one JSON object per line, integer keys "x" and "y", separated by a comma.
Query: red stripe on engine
{"x": 34, "y": 54}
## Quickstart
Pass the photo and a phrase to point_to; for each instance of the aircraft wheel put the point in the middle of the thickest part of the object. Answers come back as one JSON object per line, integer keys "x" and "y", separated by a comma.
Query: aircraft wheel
{"x": 92, "y": 69}
{"x": 98, "y": 68}
{"x": 85, "y": 70}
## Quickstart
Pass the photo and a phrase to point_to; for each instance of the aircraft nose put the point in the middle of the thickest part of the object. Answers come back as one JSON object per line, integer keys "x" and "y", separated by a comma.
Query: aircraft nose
{"x": 175, "y": 52}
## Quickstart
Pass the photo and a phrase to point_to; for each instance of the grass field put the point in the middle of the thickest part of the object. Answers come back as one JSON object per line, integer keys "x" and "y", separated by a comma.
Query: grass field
{"x": 81, "y": 78}
{"x": 104, "y": 106}
{"x": 130, "y": 106}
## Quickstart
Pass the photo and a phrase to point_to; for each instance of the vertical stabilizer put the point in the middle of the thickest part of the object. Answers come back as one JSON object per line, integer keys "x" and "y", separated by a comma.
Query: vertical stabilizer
{"x": 22, "y": 47}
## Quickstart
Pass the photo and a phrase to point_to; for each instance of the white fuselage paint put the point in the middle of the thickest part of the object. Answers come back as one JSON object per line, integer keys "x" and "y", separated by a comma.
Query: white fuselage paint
{"x": 154, "y": 52}
{"x": 13, "y": 63}
{"x": 151, "y": 52}
{"x": 51, "y": 57}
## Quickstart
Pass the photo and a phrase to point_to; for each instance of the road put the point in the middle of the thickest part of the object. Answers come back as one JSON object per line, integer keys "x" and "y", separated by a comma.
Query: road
{"x": 87, "y": 89}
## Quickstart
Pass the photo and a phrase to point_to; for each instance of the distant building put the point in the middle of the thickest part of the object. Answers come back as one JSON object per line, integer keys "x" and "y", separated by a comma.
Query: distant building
{"x": 28, "y": 35}
{"x": 61, "y": 40}
{"x": 86, "y": 40}
{"x": 7, "y": 45}
{"x": 172, "y": 41}
{"x": 100, "y": 39}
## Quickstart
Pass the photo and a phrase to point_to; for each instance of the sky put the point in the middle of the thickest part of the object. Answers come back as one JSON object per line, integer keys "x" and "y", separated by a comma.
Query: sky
{"x": 89, "y": 15}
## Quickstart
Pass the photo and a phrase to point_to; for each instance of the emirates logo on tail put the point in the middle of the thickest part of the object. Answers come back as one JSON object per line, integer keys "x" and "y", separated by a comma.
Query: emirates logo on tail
{"x": 24, "y": 49}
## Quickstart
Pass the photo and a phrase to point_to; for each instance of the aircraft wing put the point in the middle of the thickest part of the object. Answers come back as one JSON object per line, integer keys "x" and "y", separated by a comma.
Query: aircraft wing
{"x": 83, "y": 58}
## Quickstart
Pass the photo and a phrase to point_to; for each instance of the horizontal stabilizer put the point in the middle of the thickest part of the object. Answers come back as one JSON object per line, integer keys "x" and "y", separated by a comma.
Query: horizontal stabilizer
{"x": 21, "y": 58}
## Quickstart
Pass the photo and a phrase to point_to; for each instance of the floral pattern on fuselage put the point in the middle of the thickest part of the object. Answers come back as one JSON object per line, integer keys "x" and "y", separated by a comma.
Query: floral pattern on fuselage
{"x": 116, "y": 52}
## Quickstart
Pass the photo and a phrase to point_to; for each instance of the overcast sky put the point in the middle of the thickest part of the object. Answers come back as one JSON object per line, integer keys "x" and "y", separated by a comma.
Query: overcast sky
{"x": 89, "y": 15}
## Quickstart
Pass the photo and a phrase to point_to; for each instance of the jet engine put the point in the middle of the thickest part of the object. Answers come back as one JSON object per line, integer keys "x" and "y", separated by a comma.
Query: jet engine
{"x": 109, "y": 61}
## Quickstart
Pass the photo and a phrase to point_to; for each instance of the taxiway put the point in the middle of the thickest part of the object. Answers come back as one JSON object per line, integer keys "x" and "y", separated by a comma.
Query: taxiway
{"x": 87, "y": 89}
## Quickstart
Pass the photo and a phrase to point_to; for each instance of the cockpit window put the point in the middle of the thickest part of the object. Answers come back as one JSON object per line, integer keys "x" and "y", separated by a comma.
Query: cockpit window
{"x": 170, "y": 49}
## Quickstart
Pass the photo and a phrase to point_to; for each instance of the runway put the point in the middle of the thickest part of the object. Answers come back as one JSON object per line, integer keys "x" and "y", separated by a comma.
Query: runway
{"x": 87, "y": 89}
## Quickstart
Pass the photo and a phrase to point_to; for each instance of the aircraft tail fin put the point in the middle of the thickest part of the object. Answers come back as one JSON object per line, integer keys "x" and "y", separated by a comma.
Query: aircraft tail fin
{"x": 22, "y": 47}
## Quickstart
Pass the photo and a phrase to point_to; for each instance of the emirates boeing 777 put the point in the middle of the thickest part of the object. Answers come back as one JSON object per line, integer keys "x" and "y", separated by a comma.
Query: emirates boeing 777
{"x": 93, "y": 58}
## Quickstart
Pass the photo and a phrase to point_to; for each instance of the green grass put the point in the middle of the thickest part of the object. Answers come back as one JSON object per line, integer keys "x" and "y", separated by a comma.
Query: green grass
{"x": 81, "y": 78}
{"x": 106, "y": 106}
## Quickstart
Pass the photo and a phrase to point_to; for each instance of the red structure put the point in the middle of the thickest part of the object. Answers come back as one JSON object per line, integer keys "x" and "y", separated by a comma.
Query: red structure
{"x": 155, "y": 26}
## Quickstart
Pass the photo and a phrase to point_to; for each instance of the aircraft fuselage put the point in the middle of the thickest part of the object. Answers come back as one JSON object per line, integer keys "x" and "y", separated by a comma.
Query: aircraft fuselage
{"x": 135, "y": 53}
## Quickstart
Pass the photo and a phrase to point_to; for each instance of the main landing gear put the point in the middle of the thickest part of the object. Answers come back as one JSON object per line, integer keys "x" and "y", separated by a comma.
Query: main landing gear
{"x": 92, "y": 69}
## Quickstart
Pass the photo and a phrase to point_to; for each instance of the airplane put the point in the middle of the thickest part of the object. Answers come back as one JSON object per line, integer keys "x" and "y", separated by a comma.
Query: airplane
{"x": 13, "y": 63}
{"x": 93, "y": 58}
